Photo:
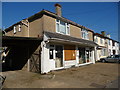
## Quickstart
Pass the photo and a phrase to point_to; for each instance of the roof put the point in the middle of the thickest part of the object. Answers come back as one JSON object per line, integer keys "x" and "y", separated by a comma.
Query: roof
{"x": 51, "y": 14}
{"x": 9, "y": 28}
{"x": 57, "y": 36}
{"x": 19, "y": 41}
{"x": 100, "y": 35}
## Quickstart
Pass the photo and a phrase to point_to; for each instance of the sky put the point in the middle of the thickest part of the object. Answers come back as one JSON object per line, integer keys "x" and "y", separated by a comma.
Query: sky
{"x": 98, "y": 16}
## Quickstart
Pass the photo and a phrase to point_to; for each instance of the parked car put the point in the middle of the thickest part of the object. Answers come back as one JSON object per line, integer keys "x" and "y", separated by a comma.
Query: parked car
{"x": 112, "y": 58}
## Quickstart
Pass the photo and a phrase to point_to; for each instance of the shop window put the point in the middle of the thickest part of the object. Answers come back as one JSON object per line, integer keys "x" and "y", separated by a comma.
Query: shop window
{"x": 51, "y": 54}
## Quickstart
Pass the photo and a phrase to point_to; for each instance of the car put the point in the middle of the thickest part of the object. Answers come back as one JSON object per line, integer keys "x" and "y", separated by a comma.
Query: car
{"x": 112, "y": 58}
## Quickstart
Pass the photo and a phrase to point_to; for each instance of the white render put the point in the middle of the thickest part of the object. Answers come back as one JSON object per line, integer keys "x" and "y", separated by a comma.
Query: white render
{"x": 108, "y": 44}
{"x": 48, "y": 65}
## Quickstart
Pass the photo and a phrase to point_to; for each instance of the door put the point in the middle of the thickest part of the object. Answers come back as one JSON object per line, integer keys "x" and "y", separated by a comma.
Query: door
{"x": 87, "y": 55}
{"x": 114, "y": 52}
{"x": 82, "y": 55}
{"x": 58, "y": 56}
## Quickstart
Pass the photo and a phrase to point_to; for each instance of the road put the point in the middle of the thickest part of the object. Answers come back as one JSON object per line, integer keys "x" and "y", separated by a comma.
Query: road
{"x": 99, "y": 75}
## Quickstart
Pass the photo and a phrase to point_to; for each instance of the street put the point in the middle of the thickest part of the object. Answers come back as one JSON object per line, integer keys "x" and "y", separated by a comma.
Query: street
{"x": 99, "y": 75}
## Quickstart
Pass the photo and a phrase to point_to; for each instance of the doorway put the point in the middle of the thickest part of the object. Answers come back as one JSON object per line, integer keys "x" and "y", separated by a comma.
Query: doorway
{"x": 58, "y": 56}
{"x": 82, "y": 58}
{"x": 114, "y": 52}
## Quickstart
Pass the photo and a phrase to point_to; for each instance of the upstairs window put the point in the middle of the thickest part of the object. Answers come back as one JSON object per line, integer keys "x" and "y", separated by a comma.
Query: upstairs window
{"x": 113, "y": 43}
{"x": 101, "y": 40}
{"x": 96, "y": 39}
{"x": 85, "y": 34}
{"x": 62, "y": 27}
{"x": 109, "y": 42}
{"x": 14, "y": 29}
{"x": 19, "y": 28}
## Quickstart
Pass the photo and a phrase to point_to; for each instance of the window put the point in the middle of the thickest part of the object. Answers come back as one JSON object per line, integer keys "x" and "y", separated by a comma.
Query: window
{"x": 85, "y": 34}
{"x": 109, "y": 52}
{"x": 96, "y": 39}
{"x": 113, "y": 43}
{"x": 14, "y": 29}
{"x": 101, "y": 40}
{"x": 118, "y": 51}
{"x": 51, "y": 54}
{"x": 104, "y": 51}
{"x": 109, "y": 42}
{"x": 62, "y": 27}
{"x": 19, "y": 28}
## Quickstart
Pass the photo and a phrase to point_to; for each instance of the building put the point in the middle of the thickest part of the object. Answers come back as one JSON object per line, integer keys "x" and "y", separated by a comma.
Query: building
{"x": 107, "y": 46}
{"x": 61, "y": 43}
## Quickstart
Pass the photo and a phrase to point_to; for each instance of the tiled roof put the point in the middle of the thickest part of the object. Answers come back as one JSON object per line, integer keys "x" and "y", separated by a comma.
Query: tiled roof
{"x": 58, "y": 36}
{"x": 100, "y": 35}
{"x": 51, "y": 14}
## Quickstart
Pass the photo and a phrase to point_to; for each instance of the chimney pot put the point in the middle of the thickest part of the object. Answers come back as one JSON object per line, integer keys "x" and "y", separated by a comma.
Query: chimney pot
{"x": 103, "y": 33}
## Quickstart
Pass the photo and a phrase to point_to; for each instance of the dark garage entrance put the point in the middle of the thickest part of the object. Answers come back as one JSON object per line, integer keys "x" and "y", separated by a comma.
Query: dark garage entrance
{"x": 19, "y": 50}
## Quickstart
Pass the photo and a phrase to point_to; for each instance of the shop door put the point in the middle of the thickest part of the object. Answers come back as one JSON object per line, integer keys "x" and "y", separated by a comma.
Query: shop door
{"x": 58, "y": 56}
{"x": 82, "y": 55}
{"x": 87, "y": 55}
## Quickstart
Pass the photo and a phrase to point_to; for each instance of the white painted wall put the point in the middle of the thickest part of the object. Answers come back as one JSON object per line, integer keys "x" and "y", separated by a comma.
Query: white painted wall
{"x": 70, "y": 63}
{"x": 116, "y": 47}
{"x": 47, "y": 64}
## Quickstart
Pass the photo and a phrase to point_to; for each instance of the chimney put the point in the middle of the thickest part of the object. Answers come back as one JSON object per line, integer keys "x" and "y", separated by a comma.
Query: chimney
{"x": 58, "y": 9}
{"x": 103, "y": 33}
{"x": 108, "y": 35}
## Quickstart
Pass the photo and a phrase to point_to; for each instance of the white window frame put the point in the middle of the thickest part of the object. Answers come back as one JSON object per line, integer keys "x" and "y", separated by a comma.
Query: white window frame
{"x": 67, "y": 32}
{"x": 109, "y": 42}
{"x": 19, "y": 28}
{"x": 14, "y": 29}
{"x": 85, "y": 32}
{"x": 96, "y": 39}
{"x": 101, "y": 41}
{"x": 53, "y": 51}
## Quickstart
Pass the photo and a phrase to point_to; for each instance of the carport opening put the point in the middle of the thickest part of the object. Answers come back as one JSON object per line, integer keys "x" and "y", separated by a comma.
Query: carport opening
{"x": 19, "y": 50}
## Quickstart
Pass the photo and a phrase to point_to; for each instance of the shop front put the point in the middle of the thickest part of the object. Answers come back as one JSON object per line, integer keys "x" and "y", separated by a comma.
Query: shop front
{"x": 61, "y": 53}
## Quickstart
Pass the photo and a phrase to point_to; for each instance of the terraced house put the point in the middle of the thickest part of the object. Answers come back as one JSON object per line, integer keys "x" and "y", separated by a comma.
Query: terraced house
{"x": 107, "y": 46}
{"x": 52, "y": 42}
